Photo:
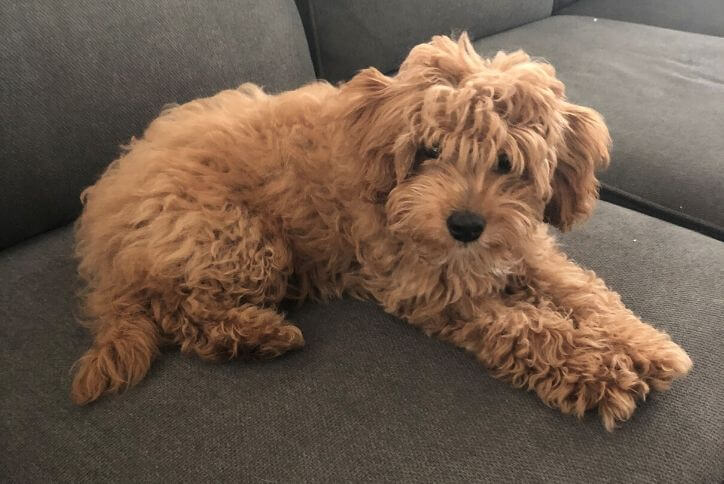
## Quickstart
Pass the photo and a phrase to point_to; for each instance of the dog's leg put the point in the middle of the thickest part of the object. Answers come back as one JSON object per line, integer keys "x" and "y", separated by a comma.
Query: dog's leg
{"x": 575, "y": 345}
{"x": 239, "y": 274}
{"x": 246, "y": 331}
{"x": 120, "y": 357}
{"x": 657, "y": 359}
{"x": 538, "y": 348}
{"x": 207, "y": 278}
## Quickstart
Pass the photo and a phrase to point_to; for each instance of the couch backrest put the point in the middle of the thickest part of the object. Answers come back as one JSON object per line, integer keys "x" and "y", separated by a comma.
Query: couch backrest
{"x": 80, "y": 77}
{"x": 559, "y": 4}
{"x": 347, "y": 35}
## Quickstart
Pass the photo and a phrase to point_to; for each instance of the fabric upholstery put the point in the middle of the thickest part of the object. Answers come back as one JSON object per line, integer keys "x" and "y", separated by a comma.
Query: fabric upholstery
{"x": 347, "y": 35}
{"x": 559, "y": 4}
{"x": 81, "y": 77}
{"x": 369, "y": 398}
{"x": 702, "y": 16}
{"x": 661, "y": 92}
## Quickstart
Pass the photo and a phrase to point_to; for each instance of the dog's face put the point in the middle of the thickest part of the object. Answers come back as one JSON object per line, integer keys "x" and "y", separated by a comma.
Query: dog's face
{"x": 470, "y": 155}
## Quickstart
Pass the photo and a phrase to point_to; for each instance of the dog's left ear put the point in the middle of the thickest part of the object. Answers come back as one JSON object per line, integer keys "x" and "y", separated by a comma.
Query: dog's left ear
{"x": 583, "y": 150}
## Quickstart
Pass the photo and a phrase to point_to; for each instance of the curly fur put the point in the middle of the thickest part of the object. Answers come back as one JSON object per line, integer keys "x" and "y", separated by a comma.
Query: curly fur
{"x": 229, "y": 204}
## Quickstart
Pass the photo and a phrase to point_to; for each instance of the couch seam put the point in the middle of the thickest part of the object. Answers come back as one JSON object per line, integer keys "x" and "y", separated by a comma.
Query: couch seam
{"x": 497, "y": 32}
{"x": 315, "y": 38}
{"x": 662, "y": 212}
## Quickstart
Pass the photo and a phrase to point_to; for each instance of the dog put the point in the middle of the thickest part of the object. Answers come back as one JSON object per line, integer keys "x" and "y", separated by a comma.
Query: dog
{"x": 429, "y": 192}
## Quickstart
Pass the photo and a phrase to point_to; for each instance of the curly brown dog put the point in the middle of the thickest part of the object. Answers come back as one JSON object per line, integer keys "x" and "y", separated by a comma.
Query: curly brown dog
{"x": 428, "y": 192}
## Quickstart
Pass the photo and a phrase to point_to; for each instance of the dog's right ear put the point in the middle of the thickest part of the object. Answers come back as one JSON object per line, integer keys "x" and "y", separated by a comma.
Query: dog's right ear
{"x": 363, "y": 94}
{"x": 370, "y": 119}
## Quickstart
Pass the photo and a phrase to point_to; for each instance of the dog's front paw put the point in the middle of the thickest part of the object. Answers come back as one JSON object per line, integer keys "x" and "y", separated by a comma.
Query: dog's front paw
{"x": 660, "y": 361}
{"x": 605, "y": 381}
{"x": 620, "y": 393}
{"x": 654, "y": 365}
{"x": 613, "y": 379}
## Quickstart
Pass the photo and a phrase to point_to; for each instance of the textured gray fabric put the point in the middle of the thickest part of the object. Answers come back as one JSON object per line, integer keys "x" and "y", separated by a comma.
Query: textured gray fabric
{"x": 348, "y": 35}
{"x": 559, "y": 4}
{"x": 661, "y": 92}
{"x": 702, "y": 16}
{"x": 80, "y": 77}
{"x": 368, "y": 398}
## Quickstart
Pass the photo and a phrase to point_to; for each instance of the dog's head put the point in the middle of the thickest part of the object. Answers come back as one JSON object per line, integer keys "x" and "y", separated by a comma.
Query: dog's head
{"x": 470, "y": 155}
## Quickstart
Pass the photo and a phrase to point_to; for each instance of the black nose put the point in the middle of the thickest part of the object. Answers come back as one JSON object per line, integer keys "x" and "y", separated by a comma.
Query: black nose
{"x": 465, "y": 226}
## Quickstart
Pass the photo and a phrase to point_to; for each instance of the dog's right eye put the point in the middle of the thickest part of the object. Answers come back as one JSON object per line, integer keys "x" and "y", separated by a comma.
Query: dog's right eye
{"x": 423, "y": 154}
{"x": 503, "y": 164}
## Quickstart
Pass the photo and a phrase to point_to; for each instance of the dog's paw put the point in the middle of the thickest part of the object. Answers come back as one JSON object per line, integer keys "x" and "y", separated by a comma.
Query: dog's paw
{"x": 654, "y": 366}
{"x": 619, "y": 396}
{"x": 607, "y": 382}
{"x": 288, "y": 337}
{"x": 613, "y": 381}
{"x": 660, "y": 361}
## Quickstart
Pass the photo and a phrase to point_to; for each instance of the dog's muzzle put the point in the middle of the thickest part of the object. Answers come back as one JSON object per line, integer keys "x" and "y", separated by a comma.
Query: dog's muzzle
{"x": 465, "y": 226}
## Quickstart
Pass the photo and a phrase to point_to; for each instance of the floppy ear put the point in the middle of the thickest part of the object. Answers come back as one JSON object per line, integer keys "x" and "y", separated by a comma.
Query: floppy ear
{"x": 371, "y": 114}
{"x": 583, "y": 150}
{"x": 363, "y": 93}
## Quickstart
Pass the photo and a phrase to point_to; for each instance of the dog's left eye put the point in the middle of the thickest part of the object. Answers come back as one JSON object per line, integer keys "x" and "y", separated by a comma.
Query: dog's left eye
{"x": 425, "y": 153}
{"x": 503, "y": 164}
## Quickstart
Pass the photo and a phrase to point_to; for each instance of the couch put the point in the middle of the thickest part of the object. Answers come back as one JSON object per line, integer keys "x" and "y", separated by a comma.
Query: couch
{"x": 369, "y": 398}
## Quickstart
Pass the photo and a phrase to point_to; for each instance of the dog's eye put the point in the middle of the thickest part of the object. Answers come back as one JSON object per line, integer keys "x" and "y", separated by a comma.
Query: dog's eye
{"x": 432, "y": 152}
{"x": 425, "y": 153}
{"x": 503, "y": 164}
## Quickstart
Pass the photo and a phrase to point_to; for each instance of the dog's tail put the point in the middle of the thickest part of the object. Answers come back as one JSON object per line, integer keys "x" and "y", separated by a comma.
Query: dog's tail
{"x": 119, "y": 358}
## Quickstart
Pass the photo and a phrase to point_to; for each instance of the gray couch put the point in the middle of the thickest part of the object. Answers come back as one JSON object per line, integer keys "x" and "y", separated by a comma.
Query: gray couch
{"x": 369, "y": 398}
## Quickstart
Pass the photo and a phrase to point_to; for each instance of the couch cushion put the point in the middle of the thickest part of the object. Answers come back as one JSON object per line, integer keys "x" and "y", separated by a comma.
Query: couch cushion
{"x": 559, "y": 4}
{"x": 81, "y": 77}
{"x": 347, "y": 35}
{"x": 369, "y": 398}
{"x": 661, "y": 92}
{"x": 702, "y": 16}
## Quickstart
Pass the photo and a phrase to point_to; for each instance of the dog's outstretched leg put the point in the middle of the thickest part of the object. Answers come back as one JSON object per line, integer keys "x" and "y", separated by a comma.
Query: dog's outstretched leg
{"x": 539, "y": 348}
{"x": 120, "y": 357}
{"x": 658, "y": 360}
{"x": 571, "y": 340}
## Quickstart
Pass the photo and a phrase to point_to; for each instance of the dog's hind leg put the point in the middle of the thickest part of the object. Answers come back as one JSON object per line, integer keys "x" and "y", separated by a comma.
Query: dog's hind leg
{"x": 247, "y": 331}
{"x": 238, "y": 275}
{"x": 120, "y": 357}
{"x": 193, "y": 269}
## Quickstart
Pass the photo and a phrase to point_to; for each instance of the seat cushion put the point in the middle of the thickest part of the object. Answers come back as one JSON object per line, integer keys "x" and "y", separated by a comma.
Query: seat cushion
{"x": 661, "y": 92}
{"x": 702, "y": 16}
{"x": 369, "y": 397}
{"x": 348, "y": 35}
{"x": 81, "y": 77}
